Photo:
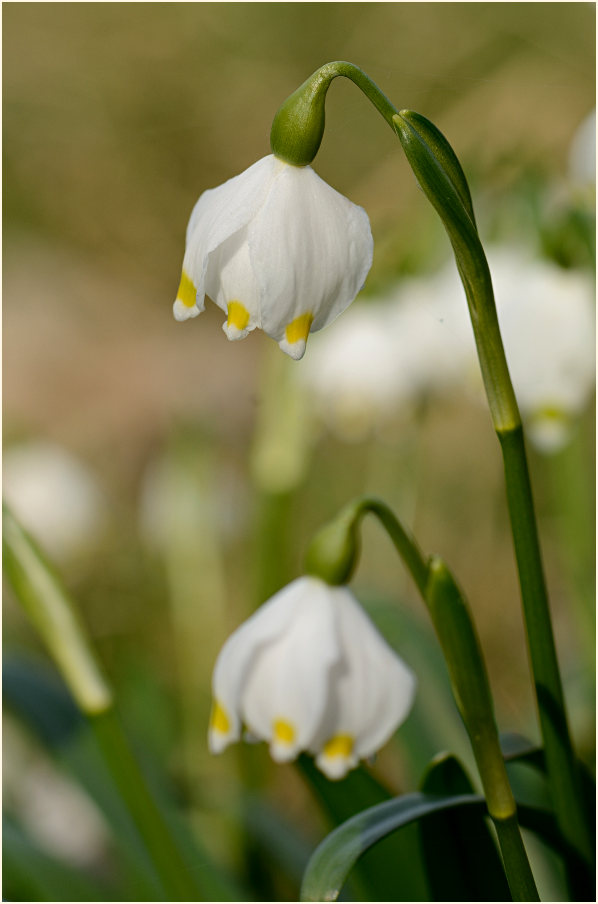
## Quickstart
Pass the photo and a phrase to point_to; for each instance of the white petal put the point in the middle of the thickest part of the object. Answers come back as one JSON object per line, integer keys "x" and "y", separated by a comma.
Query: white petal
{"x": 230, "y": 282}
{"x": 374, "y": 692}
{"x": 237, "y": 657}
{"x": 183, "y": 312}
{"x": 288, "y": 683}
{"x": 311, "y": 250}
{"x": 222, "y": 211}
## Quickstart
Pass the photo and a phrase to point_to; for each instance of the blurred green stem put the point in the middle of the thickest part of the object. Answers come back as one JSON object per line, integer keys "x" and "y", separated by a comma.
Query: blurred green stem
{"x": 573, "y": 507}
{"x": 53, "y": 615}
{"x": 165, "y": 855}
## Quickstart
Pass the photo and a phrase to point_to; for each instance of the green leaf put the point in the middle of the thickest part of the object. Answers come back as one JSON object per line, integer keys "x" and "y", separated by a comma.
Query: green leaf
{"x": 461, "y": 857}
{"x": 372, "y": 881}
{"x": 527, "y": 774}
{"x": 517, "y": 748}
{"x": 332, "y": 861}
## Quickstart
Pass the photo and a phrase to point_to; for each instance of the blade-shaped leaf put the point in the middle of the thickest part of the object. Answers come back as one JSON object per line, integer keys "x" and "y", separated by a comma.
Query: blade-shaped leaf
{"x": 461, "y": 857}
{"x": 334, "y": 858}
{"x": 372, "y": 881}
{"x": 517, "y": 748}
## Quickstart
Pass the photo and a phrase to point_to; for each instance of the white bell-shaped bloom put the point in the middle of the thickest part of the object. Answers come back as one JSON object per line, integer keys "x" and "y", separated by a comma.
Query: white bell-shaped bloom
{"x": 275, "y": 248}
{"x": 310, "y": 672}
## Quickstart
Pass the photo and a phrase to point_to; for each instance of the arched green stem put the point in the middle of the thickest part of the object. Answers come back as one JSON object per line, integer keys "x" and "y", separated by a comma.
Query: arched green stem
{"x": 333, "y": 555}
{"x": 298, "y": 125}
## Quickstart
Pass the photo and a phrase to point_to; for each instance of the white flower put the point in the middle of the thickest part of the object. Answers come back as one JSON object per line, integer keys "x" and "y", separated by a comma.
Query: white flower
{"x": 582, "y": 153}
{"x": 275, "y": 248}
{"x": 385, "y": 355}
{"x": 309, "y": 671}
{"x": 55, "y": 496}
{"x": 547, "y": 320}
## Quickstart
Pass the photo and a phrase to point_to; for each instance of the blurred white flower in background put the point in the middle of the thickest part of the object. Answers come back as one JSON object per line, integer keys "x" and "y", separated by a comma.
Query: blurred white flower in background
{"x": 309, "y": 671}
{"x": 354, "y": 373}
{"x": 547, "y": 320}
{"x": 183, "y": 497}
{"x": 582, "y": 153}
{"x": 385, "y": 355}
{"x": 57, "y": 813}
{"x": 55, "y": 496}
{"x": 417, "y": 341}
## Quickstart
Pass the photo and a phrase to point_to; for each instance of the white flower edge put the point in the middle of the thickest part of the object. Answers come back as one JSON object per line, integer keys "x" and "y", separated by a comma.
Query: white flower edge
{"x": 278, "y": 249}
{"x": 309, "y": 671}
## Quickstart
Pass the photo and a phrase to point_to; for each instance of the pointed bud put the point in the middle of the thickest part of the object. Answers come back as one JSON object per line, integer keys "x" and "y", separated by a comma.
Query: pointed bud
{"x": 298, "y": 126}
{"x": 334, "y": 551}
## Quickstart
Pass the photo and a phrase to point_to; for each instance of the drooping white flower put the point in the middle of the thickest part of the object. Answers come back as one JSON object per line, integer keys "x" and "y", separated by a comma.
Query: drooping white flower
{"x": 310, "y": 672}
{"x": 278, "y": 249}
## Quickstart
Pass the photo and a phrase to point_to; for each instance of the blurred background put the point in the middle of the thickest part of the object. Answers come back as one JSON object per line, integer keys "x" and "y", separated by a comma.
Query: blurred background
{"x": 174, "y": 478}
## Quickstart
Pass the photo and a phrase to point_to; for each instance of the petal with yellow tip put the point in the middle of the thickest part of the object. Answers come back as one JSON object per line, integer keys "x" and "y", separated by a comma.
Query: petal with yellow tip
{"x": 186, "y": 299}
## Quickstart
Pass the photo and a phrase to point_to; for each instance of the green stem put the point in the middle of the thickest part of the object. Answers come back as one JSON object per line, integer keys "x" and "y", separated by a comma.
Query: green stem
{"x": 298, "y": 125}
{"x": 441, "y": 177}
{"x": 371, "y": 90}
{"x": 560, "y": 759}
{"x": 521, "y": 883}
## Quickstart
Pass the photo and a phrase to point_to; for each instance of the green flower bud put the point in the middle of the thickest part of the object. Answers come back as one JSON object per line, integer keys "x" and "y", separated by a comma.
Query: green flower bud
{"x": 298, "y": 126}
{"x": 334, "y": 551}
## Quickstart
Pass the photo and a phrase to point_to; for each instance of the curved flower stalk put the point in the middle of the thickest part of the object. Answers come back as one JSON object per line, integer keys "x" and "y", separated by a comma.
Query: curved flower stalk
{"x": 309, "y": 671}
{"x": 278, "y": 249}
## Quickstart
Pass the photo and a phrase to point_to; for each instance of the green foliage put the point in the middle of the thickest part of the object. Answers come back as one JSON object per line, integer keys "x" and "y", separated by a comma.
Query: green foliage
{"x": 462, "y": 861}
